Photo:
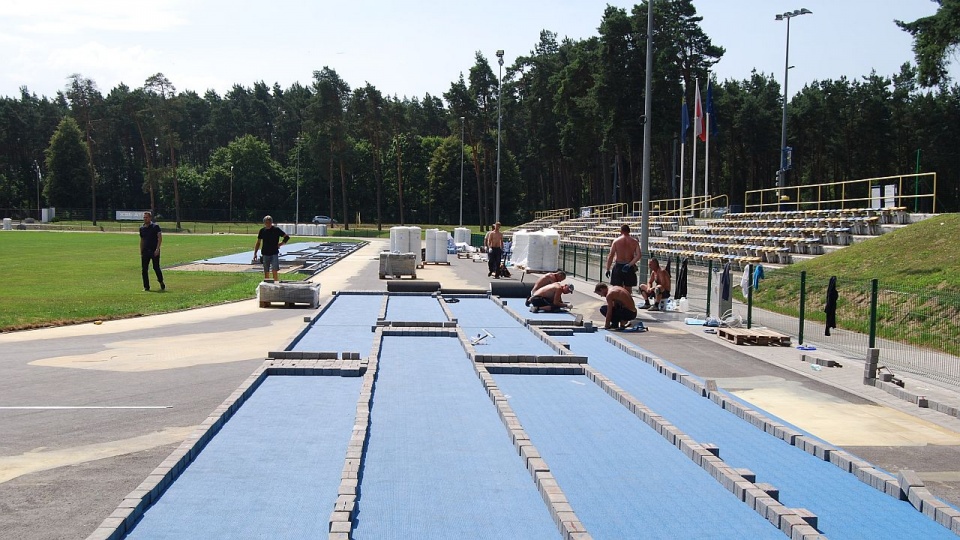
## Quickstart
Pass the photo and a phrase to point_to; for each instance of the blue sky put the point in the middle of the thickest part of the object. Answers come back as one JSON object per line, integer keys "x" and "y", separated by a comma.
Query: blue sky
{"x": 404, "y": 48}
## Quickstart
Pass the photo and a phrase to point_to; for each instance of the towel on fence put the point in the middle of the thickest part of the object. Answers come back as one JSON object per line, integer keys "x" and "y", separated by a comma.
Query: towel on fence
{"x": 681, "y": 285}
{"x": 757, "y": 276}
{"x": 831, "y": 307}
{"x": 725, "y": 282}
{"x": 745, "y": 280}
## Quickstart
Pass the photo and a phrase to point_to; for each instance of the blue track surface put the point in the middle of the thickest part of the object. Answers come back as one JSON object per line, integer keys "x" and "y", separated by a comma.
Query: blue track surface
{"x": 439, "y": 463}
{"x": 272, "y": 471}
{"x": 518, "y": 305}
{"x": 246, "y": 256}
{"x": 344, "y": 326}
{"x": 846, "y": 507}
{"x": 509, "y": 337}
{"x": 623, "y": 479}
{"x": 415, "y": 308}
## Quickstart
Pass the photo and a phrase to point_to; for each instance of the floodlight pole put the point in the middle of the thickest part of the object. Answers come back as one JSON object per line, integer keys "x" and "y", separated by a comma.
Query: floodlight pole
{"x": 462, "y": 121}
{"x": 782, "y": 173}
{"x": 230, "y": 208}
{"x": 647, "y": 133}
{"x": 297, "y": 213}
{"x": 39, "y": 211}
{"x": 499, "y": 121}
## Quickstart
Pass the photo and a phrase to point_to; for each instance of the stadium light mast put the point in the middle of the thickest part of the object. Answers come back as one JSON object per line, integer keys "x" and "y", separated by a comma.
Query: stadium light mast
{"x": 499, "y": 121}
{"x": 462, "y": 121}
{"x": 782, "y": 172}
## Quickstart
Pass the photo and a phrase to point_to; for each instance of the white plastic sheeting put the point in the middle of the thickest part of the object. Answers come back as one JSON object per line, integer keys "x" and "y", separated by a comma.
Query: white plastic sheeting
{"x": 436, "y": 246}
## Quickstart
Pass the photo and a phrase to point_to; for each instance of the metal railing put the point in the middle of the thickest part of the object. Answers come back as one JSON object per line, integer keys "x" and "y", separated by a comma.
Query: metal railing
{"x": 603, "y": 210}
{"x": 916, "y": 192}
{"x": 559, "y": 214}
{"x": 686, "y": 205}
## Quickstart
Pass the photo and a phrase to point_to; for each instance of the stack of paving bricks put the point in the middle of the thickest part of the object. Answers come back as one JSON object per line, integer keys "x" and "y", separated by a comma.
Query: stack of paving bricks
{"x": 289, "y": 293}
{"x": 884, "y": 381}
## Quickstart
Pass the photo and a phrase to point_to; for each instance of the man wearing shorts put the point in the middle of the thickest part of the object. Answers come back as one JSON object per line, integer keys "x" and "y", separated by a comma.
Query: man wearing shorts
{"x": 619, "y": 309}
{"x": 493, "y": 241}
{"x": 622, "y": 261}
{"x": 547, "y": 298}
{"x": 547, "y": 279}
{"x": 270, "y": 237}
{"x": 658, "y": 286}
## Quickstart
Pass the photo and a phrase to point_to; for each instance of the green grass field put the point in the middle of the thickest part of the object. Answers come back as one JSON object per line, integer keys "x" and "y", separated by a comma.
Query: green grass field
{"x": 53, "y": 278}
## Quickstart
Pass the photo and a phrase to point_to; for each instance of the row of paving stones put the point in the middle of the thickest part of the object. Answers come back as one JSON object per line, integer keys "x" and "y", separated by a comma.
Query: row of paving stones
{"x": 887, "y": 383}
{"x": 906, "y": 486}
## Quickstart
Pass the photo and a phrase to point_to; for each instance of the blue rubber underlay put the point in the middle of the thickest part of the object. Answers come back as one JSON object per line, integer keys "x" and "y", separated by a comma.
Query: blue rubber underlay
{"x": 246, "y": 256}
{"x": 622, "y": 478}
{"x": 439, "y": 462}
{"x": 477, "y": 315}
{"x": 415, "y": 309}
{"x": 518, "y": 305}
{"x": 271, "y": 472}
{"x": 344, "y": 326}
{"x": 846, "y": 507}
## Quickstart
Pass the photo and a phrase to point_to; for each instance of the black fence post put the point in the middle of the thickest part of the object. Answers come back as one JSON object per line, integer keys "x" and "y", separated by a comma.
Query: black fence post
{"x": 803, "y": 303}
{"x": 874, "y": 290}
{"x": 709, "y": 285}
{"x": 750, "y": 295}
{"x": 574, "y": 260}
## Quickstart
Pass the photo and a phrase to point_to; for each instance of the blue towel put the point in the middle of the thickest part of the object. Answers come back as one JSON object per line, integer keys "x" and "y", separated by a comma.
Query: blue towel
{"x": 757, "y": 276}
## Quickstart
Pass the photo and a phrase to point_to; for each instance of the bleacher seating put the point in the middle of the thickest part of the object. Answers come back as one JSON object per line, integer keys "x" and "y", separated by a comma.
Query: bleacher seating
{"x": 774, "y": 238}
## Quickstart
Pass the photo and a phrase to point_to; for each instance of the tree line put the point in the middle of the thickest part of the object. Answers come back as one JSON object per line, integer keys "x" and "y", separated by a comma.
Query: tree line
{"x": 572, "y": 135}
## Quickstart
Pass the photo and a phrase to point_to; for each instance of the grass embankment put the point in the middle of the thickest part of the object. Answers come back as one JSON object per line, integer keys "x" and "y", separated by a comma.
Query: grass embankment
{"x": 919, "y": 281}
{"x": 53, "y": 278}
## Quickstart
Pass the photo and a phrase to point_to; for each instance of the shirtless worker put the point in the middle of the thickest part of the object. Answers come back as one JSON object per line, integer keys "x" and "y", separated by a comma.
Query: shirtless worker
{"x": 619, "y": 309}
{"x": 493, "y": 241}
{"x": 624, "y": 254}
{"x": 547, "y": 298}
{"x": 552, "y": 277}
{"x": 658, "y": 286}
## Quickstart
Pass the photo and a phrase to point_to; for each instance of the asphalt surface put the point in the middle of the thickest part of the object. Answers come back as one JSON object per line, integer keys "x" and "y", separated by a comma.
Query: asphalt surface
{"x": 62, "y": 471}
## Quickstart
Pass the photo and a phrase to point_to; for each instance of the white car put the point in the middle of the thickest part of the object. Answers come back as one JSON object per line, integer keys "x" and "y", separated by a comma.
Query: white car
{"x": 324, "y": 220}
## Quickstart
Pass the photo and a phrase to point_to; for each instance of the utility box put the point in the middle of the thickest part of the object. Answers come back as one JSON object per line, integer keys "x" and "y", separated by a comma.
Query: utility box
{"x": 398, "y": 264}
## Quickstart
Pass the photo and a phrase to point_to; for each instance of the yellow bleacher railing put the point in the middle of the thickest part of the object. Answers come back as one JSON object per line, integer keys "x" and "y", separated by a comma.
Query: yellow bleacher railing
{"x": 603, "y": 210}
{"x": 677, "y": 207}
{"x": 559, "y": 214}
{"x": 909, "y": 191}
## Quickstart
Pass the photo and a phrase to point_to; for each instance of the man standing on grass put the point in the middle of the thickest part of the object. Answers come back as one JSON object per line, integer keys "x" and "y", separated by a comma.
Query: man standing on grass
{"x": 270, "y": 236}
{"x": 150, "y": 240}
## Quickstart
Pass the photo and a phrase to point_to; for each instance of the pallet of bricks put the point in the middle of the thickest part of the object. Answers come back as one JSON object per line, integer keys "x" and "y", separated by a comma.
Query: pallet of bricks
{"x": 753, "y": 336}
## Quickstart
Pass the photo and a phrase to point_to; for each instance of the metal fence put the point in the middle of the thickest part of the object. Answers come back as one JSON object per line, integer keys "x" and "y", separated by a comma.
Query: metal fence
{"x": 916, "y": 330}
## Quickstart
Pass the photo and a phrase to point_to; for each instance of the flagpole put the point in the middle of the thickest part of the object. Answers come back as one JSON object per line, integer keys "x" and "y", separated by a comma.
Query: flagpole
{"x": 696, "y": 123}
{"x": 706, "y": 165}
{"x": 683, "y": 144}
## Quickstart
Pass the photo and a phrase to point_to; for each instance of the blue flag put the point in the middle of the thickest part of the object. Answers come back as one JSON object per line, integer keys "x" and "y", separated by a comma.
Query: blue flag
{"x": 684, "y": 120}
{"x": 714, "y": 125}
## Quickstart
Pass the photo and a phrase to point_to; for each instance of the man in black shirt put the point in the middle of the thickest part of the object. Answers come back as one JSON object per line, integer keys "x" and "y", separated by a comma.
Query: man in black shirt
{"x": 270, "y": 236}
{"x": 150, "y": 240}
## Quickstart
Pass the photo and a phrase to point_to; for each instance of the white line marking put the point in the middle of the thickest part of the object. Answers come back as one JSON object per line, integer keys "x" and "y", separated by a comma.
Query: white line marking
{"x": 68, "y": 407}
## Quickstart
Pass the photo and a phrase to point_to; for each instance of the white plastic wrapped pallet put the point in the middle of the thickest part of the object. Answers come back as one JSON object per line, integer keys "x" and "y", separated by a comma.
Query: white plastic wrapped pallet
{"x": 415, "y": 243}
{"x": 322, "y": 229}
{"x": 461, "y": 235}
{"x": 535, "y": 254}
{"x": 440, "y": 245}
{"x": 551, "y": 250}
{"x": 431, "y": 246}
{"x": 520, "y": 248}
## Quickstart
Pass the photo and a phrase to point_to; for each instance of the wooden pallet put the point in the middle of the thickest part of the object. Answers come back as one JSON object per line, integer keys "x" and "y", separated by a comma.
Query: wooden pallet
{"x": 754, "y": 336}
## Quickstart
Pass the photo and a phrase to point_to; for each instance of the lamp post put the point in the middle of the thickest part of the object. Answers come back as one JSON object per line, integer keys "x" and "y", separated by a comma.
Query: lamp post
{"x": 499, "y": 121}
{"x": 230, "y": 208}
{"x": 39, "y": 212}
{"x": 298, "y": 184}
{"x": 781, "y": 174}
{"x": 462, "y": 120}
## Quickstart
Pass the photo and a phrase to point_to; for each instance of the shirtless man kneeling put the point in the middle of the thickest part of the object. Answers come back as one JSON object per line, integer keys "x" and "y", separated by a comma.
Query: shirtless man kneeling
{"x": 620, "y": 308}
{"x": 547, "y": 298}
{"x": 658, "y": 286}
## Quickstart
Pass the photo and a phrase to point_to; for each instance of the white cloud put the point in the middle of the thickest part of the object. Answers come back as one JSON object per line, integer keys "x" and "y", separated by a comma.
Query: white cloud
{"x": 61, "y": 17}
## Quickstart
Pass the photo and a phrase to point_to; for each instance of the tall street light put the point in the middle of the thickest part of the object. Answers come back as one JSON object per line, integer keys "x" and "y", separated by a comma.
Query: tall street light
{"x": 782, "y": 173}
{"x": 499, "y": 120}
{"x": 230, "y": 211}
{"x": 298, "y": 184}
{"x": 462, "y": 120}
{"x": 39, "y": 212}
